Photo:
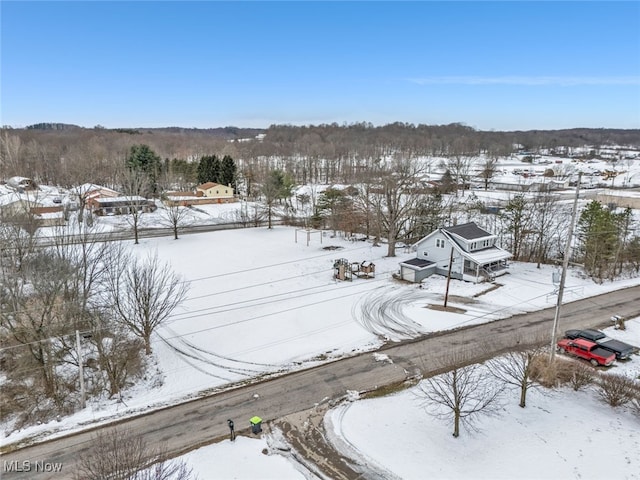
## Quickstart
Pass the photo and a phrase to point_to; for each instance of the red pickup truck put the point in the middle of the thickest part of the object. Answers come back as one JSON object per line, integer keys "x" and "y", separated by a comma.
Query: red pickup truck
{"x": 588, "y": 350}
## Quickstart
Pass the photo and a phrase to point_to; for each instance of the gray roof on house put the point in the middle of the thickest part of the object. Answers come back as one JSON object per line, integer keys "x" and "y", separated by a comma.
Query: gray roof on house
{"x": 417, "y": 262}
{"x": 468, "y": 231}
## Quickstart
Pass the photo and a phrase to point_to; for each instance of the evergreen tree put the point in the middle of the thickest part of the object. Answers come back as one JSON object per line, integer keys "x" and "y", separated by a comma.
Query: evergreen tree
{"x": 202, "y": 172}
{"x": 599, "y": 231}
{"x": 186, "y": 171}
{"x": 277, "y": 186}
{"x": 142, "y": 159}
{"x": 334, "y": 205}
{"x": 447, "y": 182}
{"x": 209, "y": 169}
{"x": 215, "y": 170}
{"x": 228, "y": 172}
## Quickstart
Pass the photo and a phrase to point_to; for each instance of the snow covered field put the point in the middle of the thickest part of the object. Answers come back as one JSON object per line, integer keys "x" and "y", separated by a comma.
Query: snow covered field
{"x": 260, "y": 303}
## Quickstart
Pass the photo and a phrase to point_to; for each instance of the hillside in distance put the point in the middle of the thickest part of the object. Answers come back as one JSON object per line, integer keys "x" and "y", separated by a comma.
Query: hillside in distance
{"x": 69, "y": 154}
{"x": 224, "y": 132}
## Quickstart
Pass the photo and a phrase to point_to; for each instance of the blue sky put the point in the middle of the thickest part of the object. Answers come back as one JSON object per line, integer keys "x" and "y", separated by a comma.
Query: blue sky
{"x": 490, "y": 65}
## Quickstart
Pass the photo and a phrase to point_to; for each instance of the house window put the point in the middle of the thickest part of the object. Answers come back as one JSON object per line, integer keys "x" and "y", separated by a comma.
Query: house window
{"x": 439, "y": 243}
{"x": 473, "y": 246}
{"x": 425, "y": 253}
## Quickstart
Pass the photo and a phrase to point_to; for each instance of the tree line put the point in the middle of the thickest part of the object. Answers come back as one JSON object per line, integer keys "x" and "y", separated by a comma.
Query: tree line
{"x": 329, "y": 153}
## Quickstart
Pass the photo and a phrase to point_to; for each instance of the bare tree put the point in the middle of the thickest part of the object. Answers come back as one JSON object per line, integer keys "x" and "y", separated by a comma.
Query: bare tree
{"x": 34, "y": 312}
{"x": 489, "y": 169}
{"x": 118, "y": 354}
{"x": 396, "y": 198}
{"x": 174, "y": 215}
{"x": 120, "y": 454}
{"x": 144, "y": 293}
{"x": 10, "y": 154}
{"x": 515, "y": 368}
{"x": 459, "y": 165}
{"x": 364, "y": 201}
{"x": 16, "y": 243}
{"x": 547, "y": 224}
{"x": 135, "y": 184}
{"x": 80, "y": 246}
{"x": 462, "y": 393}
{"x": 517, "y": 220}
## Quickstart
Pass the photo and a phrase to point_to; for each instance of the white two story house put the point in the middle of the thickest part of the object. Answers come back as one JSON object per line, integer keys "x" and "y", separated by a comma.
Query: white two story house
{"x": 476, "y": 258}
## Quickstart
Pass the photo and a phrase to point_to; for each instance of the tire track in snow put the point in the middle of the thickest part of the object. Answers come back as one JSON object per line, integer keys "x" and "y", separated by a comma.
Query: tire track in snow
{"x": 381, "y": 312}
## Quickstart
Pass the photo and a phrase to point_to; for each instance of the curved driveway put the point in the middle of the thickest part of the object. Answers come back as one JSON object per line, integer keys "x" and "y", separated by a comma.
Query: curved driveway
{"x": 202, "y": 421}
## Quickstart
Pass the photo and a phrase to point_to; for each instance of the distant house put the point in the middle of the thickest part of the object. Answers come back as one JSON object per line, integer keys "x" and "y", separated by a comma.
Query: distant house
{"x": 49, "y": 216}
{"x": 17, "y": 204}
{"x": 120, "y": 205}
{"x": 21, "y": 183}
{"x": 219, "y": 193}
{"x": 182, "y": 199}
{"x": 476, "y": 258}
{"x": 88, "y": 191}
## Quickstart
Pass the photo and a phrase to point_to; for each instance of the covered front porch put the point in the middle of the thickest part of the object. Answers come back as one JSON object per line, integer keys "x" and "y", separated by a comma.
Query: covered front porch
{"x": 485, "y": 265}
{"x": 487, "y": 272}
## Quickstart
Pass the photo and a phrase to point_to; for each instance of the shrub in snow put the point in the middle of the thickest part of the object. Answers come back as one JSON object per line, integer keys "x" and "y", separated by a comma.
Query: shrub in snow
{"x": 582, "y": 375}
{"x": 616, "y": 390}
{"x": 545, "y": 373}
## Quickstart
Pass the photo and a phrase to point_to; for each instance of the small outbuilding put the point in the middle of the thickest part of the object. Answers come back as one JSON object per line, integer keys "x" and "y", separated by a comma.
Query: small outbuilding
{"x": 416, "y": 269}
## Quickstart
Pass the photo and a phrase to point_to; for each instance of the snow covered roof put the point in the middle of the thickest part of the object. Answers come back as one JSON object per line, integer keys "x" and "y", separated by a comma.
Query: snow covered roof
{"x": 132, "y": 198}
{"x": 92, "y": 187}
{"x": 487, "y": 255}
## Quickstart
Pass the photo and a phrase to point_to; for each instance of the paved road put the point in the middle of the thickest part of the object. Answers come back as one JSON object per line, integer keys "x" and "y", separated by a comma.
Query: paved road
{"x": 128, "y": 234}
{"x": 202, "y": 421}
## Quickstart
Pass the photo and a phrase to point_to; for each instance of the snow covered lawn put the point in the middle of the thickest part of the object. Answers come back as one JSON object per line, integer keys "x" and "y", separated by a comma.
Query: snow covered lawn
{"x": 261, "y": 303}
{"x": 559, "y": 434}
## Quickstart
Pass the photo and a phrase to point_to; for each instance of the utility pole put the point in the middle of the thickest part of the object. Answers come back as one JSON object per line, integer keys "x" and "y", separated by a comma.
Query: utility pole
{"x": 446, "y": 293}
{"x": 563, "y": 276}
{"x": 80, "y": 365}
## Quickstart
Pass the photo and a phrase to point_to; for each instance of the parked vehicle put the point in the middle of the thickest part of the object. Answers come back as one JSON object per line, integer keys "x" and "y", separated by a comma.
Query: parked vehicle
{"x": 622, "y": 350}
{"x": 588, "y": 350}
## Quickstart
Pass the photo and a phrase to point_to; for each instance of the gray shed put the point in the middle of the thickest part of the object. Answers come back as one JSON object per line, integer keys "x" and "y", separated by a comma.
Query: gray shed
{"x": 416, "y": 269}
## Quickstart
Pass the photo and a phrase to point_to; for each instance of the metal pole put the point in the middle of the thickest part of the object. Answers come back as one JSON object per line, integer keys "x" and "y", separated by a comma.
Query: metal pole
{"x": 80, "y": 366}
{"x": 563, "y": 276}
